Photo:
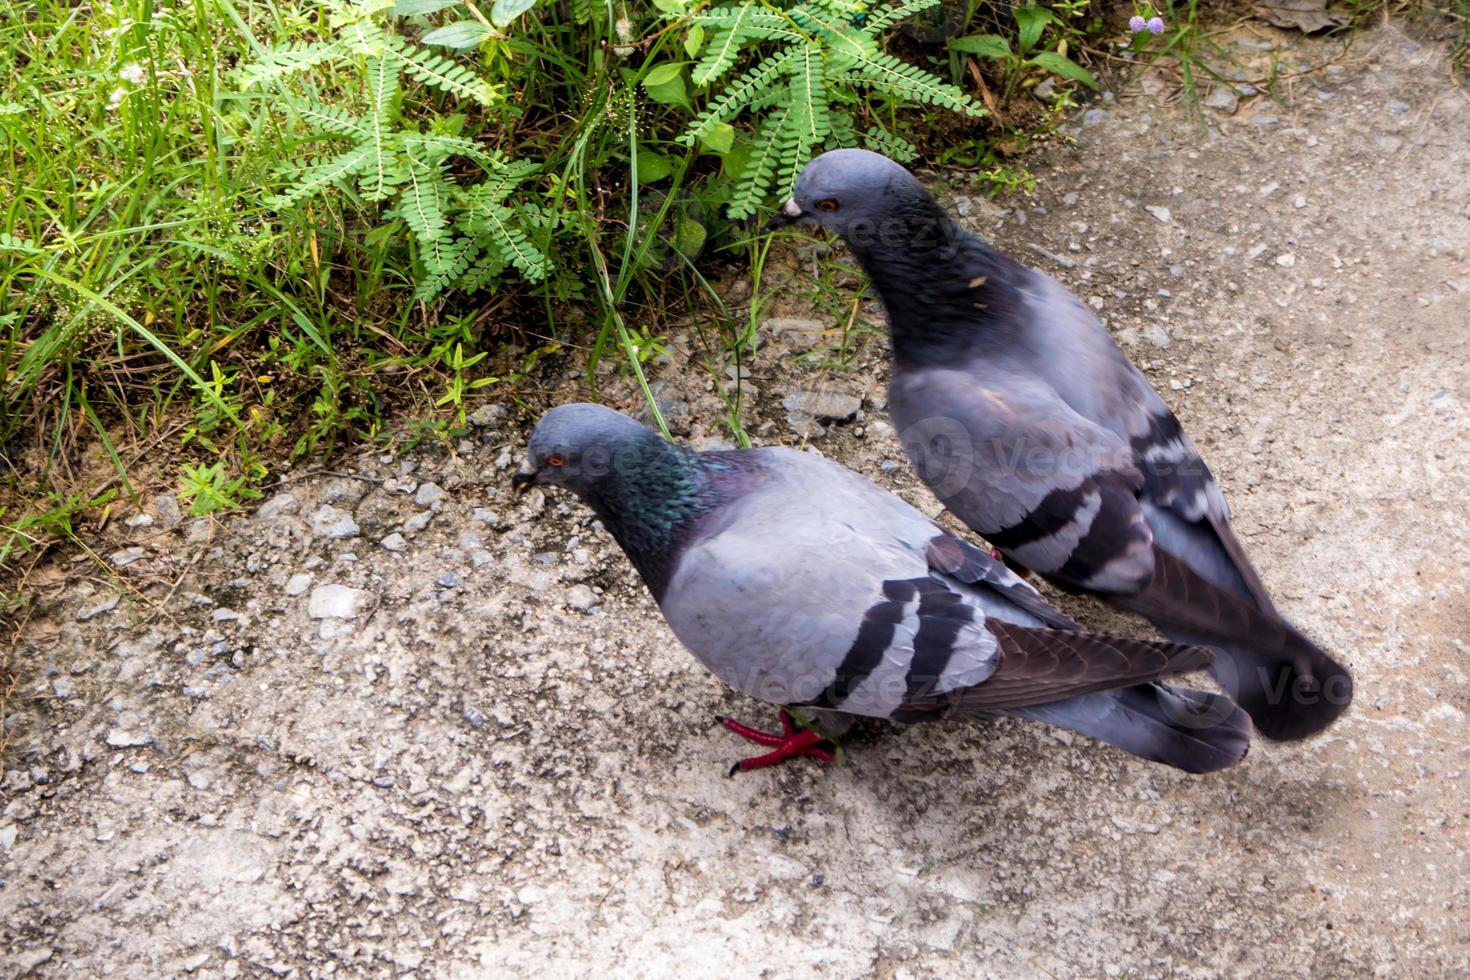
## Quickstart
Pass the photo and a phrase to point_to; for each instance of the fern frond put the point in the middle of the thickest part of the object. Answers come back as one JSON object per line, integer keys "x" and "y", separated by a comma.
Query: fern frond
{"x": 446, "y": 261}
{"x": 723, "y": 47}
{"x": 280, "y": 62}
{"x": 740, "y": 93}
{"x": 507, "y": 177}
{"x": 734, "y": 27}
{"x": 440, "y": 145}
{"x": 808, "y": 97}
{"x": 531, "y": 216}
{"x": 760, "y": 168}
{"x": 317, "y": 177}
{"x": 498, "y": 222}
{"x": 448, "y": 255}
{"x": 893, "y": 15}
{"x": 722, "y": 50}
{"x": 382, "y": 94}
{"x": 742, "y": 17}
{"x": 887, "y": 74}
{"x": 843, "y": 42}
{"x": 383, "y": 90}
{"x": 422, "y": 200}
{"x": 331, "y": 119}
{"x": 891, "y": 145}
{"x": 439, "y": 72}
{"x": 484, "y": 272}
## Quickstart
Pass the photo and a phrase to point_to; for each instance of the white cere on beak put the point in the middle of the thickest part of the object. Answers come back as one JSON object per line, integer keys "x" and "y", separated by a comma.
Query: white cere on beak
{"x": 791, "y": 209}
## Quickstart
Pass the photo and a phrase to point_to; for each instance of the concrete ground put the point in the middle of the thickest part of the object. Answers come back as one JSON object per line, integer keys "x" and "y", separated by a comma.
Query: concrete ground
{"x": 485, "y": 753}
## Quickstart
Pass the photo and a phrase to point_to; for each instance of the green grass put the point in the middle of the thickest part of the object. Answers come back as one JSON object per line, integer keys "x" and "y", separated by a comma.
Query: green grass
{"x": 186, "y": 304}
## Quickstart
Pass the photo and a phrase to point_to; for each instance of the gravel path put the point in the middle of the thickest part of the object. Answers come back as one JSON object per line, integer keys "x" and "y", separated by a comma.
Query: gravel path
{"x": 399, "y": 722}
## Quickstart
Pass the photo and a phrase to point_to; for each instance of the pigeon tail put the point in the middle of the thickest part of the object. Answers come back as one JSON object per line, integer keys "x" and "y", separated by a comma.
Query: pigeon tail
{"x": 1195, "y": 731}
{"x": 1290, "y": 686}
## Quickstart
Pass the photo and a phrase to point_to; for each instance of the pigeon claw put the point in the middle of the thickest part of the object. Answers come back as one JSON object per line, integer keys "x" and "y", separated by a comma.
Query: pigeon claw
{"x": 1020, "y": 571}
{"x": 792, "y": 742}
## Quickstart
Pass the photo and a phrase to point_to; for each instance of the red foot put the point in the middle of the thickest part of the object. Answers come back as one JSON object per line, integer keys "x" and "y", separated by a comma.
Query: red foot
{"x": 1020, "y": 572}
{"x": 794, "y": 742}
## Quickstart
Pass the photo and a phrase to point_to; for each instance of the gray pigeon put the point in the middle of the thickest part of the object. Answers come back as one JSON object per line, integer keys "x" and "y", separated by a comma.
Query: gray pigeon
{"x": 799, "y": 582}
{"x": 1029, "y": 423}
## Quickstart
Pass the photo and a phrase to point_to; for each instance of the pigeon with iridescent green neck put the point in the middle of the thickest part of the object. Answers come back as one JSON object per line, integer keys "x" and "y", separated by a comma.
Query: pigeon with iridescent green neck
{"x": 1027, "y": 421}
{"x": 800, "y": 583}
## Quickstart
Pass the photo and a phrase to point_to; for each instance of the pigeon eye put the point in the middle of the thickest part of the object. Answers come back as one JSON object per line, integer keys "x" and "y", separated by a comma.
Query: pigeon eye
{"x": 827, "y": 204}
{"x": 556, "y": 461}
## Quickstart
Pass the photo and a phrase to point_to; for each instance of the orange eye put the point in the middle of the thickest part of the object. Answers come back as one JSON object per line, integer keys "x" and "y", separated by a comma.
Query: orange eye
{"x": 827, "y": 204}
{"x": 554, "y": 461}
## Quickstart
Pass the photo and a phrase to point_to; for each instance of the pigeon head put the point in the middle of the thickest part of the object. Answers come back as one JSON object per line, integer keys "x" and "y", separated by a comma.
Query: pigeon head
{"x": 857, "y": 194}
{"x": 580, "y": 447}
{"x": 649, "y": 493}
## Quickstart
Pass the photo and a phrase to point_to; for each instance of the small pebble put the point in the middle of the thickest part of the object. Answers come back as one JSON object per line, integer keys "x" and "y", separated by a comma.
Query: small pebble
{"x": 329, "y": 522}
{"x": 106, "y": 604}
{"x": 335, "y": 602}
{"x": 581, "y": 598}
{"x": 125, "y": 557}
{"x": 278, "y": 506}
{"x": 429, "y": 494}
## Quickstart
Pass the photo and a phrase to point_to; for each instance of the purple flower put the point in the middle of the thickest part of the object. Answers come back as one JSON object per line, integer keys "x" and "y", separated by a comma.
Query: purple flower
{"x": 1155, "y": 25}
{"x": 1136, "y": 24}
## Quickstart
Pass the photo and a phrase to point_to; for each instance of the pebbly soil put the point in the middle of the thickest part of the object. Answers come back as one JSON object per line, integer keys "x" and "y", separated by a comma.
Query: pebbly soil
{"x": 494, "y": 758}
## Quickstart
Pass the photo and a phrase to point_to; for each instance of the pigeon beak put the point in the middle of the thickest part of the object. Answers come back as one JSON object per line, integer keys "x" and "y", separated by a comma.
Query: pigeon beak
{"x": 790, "y": 212}
{"x": 524, "y": 477}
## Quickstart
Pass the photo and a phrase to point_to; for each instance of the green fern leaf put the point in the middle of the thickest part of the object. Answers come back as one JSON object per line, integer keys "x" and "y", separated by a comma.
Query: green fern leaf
{"x": 445, "y": 261}
{"x": 760, "y": 169}
{"x": 483, "y": 273}
{"x": 893, "y": 15}
{"x": 422, "y": 200}
{"x": 808, "y": 97}
{"x": 734, "y": 28}
{"x": 723, "y": 47}
{"x": 316, "y": 177}
{"x": 843, "y": 43}
{"x": 887, "y": 74}
{"x": 280, "y": 62}
{"x": 891, "y": 145}
{"x": 439, "y": 72}
{"x": 449, "y": 255}
{"x": 507, "y": 177}
{"x": 740, "y": 93}
{"x": 499, "y": 223}
{"x": 430, "y": 145}
{"x": 382, "y": 93}
{"x": 331, "y": 119}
